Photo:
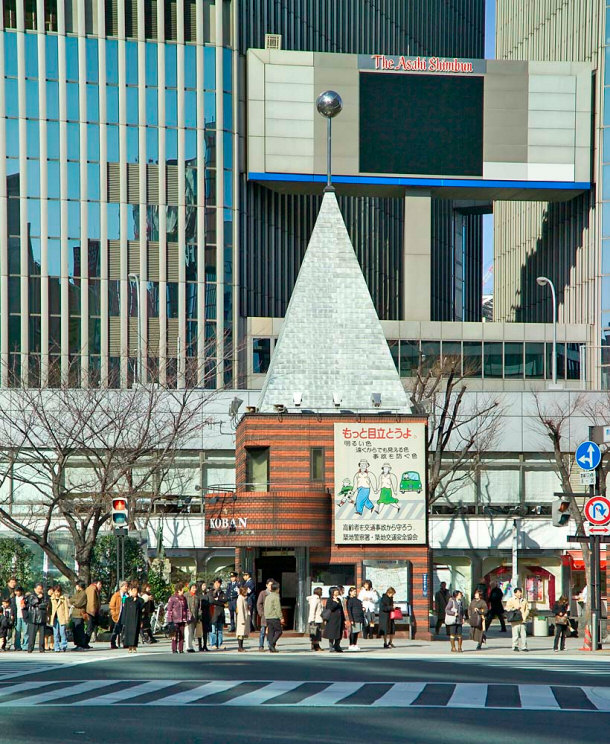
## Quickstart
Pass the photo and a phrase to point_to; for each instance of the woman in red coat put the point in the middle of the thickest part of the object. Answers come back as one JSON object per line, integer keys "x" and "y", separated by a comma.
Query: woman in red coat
{"x": 178, "y": 615}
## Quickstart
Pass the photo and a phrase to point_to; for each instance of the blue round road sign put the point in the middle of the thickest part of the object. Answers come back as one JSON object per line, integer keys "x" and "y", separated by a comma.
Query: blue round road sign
{"x": 588, "y": 456}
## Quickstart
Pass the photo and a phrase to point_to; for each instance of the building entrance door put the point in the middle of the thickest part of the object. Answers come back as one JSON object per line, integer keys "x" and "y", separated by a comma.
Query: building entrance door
{"x": 281, "y": 566}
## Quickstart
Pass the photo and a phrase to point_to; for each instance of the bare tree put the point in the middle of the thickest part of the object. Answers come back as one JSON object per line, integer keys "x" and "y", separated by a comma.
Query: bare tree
{"x": 552, "y": 419}
{"x": 460, "y": 427}
{"x": 68, "y": 452}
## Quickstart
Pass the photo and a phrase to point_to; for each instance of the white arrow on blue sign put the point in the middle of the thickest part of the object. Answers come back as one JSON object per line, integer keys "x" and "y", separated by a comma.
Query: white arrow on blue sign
{"x": 588, "y": 456}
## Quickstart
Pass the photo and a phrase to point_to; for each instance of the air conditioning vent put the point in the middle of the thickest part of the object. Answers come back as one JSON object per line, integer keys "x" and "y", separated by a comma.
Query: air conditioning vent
{"x": 273, "y": 41}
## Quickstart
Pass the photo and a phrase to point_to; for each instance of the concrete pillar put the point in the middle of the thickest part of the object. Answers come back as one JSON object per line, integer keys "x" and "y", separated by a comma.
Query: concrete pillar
{"x": 417, "y": 255}
{"x": 303, "y": 589}
{"x": 476, "y": 573}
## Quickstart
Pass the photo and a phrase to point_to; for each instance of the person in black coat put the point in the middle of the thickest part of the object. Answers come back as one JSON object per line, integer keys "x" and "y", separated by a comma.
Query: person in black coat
{"x": 355, "y": 614}
{"x": 496, "y": 609}
{"x": 205, "y": 614}
{"x": 37, "y": 607}
{"x": 386, "y": 624}
{"x": 131, "y": 619}
{"x": 217, "y": 599}
{"x": 335, "y": 625}
{"x": 561, "y": 610}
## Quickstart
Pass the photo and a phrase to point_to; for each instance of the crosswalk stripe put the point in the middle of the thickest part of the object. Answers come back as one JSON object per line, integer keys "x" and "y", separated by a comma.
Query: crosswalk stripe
{"x": 23, "y": 686}
{"x": 599, "y": 696}
{"x": 120, "y": 696}
{"x": 256, "y": 697}
{"x": 468, "y": 695}
{"x": 400, "y": 694}
{"x": 52, "y": 695}
{"x": 332, "y": 694}
{"x": 196, "y": 693}
{"x": 537, "y": 697}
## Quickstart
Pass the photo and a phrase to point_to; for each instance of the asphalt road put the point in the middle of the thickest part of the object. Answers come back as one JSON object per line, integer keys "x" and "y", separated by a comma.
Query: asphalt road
{"x": 300, "y": 697}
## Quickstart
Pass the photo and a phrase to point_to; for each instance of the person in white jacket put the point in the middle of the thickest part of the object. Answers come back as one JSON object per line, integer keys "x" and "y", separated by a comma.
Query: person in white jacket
{"x": 370, "y": 599}
{"x": 315, "y": 618}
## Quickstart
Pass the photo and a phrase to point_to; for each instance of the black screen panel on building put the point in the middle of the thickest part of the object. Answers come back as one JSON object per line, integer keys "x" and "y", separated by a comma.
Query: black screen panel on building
{"x": 421, "y": 124}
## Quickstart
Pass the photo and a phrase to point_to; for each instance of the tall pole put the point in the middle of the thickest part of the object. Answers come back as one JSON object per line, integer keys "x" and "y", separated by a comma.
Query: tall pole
{"x": 329, "y": 104}
{"x": 541, "y": 281}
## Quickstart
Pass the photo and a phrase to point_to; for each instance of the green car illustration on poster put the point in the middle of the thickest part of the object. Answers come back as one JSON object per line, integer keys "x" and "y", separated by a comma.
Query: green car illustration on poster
{"x": 410, "y": 481}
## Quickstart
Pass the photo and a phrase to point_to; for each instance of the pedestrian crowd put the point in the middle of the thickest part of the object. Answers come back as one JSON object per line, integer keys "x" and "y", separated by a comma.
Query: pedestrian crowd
{"x": 452, "y": 611}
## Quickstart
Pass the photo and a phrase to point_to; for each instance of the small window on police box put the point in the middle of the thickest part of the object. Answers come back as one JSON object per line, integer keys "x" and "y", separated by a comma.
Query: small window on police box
{"x": 316, "y": 464}
{"x": 257, "y": 468}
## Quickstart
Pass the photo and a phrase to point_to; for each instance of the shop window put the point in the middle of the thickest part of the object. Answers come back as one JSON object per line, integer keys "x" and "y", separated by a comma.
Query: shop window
{"x": 257, "y": 468}
{"x": 316, "y": 464}
{"x": 261, "y": 355}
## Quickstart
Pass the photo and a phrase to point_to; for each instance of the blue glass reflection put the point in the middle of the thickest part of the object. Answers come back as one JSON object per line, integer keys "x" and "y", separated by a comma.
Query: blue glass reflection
{"x": 227, "y": 111}
{"x": 190, "y": 66}
{"x": 73, "y": 219}
{"x": 228, "y": 189}
{"x": 72, "y": 58}
{"x": 227, "y": 70}
{"x": 132, "y": 144}
{"x": 53, "y": 217}
{"x": 151, "y": 106}
{"x": 151, "y": 63}
{"x": 33, "y": 171}
{"x": 73, "y": 256}
{"x": 12, "y": 138}
{"x": 131, "y": 63}
{"x": 53, "y": 179}
{"x": 112, "y": 68}
{"x": 52, "y": 100}
{"x": 112, "y": 144}
{"x": 209, "y": 108}
{"x": 113, "y": 219}
{"x": 152, "y": 145}
{"x": 605, "y": 256}
{"x": 171, "y": 144}
{"x": 51, "y": 57}
{"x": 170, "y": 65}
{"x": 606, "y": 107}
{"x": 190, "y": 108}
{"x": 190, "y": 145}
{"x": 191, "y": 300}
{"x": 112, "y": 104}
{"x": 33, "y": 213}
{"x": 73, "y": 137}
{"x": 54, "y": 257}
{"x": 131, "y": 115}
{"x": 93, "y": 103}
{"x": 31, "y": 97}
{"x": 10, "y": 54}
{"x": 72, "y": 102}
{"x": 227, "y": 150}
{"x": 605, "y": 292}
{"x": 31, "y": 55}
{"x": 33, "y": 138}
{"x": 92, "y": 61}
{"x": 209, "y": 68}
{"x": 606, "y": 219}
{"x": 11, "y": 97}
{"x": 93, "y": 142}
{"x": 93, "y": 220}
{"x": 73, "y": 181}
{"x": 171, "y": 108}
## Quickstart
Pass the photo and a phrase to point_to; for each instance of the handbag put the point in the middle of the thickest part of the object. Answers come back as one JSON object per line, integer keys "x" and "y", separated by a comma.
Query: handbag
{"x": 514, "y": 616}
{"x": 326, "y": 614}
{"x": 450, "y": 619}
{"x": 563, "y": 620}
{"x": 396, "y": 614}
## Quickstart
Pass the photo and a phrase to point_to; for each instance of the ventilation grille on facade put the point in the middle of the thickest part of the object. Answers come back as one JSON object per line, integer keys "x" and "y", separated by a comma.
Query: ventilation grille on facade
{"x": 152, "y": 184}
{"x": 153, "y": 336}
{"x": 273, "y": 41}
{"x": 114, "y": 259}
{"x": 173, "y": 262}
{"x": 112, "y": 19}
{"x": 114, "y": 182}
{"x": 172, "y": 336}
{"x": 114, "y": 336}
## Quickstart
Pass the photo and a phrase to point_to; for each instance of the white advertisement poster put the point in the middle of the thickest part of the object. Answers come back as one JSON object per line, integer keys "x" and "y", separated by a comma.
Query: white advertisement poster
{"x": 380, "y": 483}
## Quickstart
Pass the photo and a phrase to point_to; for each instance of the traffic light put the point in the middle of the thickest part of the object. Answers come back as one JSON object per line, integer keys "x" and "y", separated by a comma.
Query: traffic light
{"x": 119, "y": 512}
{"x": 560, "y": 510}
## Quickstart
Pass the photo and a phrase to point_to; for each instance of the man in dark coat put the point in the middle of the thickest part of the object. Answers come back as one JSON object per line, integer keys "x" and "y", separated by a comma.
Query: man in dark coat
{"x": 79, "y": 613}
{"x": 335, "y": 624}
{"x": 131, "y": 618}
{"x": 248, "y": 582}
{"x": 232, "y": 592}
{"x": 37, "y": 606}
{"x": 205, "y": 614}
{"x": 217, "y": 599}
{"x": 440, "y": 605}
{"x": 496, "y": 609}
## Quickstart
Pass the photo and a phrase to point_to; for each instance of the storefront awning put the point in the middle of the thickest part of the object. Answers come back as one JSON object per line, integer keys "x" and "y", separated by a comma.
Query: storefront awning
{"x": 574, "y": 559}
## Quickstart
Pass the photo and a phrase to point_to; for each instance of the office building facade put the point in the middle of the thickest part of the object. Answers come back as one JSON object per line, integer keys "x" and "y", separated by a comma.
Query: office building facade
{"x": 118, "y": 185}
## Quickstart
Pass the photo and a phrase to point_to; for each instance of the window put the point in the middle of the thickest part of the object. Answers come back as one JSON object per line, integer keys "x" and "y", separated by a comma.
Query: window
{"x": 493, "y": 360}
{"x": 472, "y": 358}
{"x": 257, "y": 468}
{"x": 513, "y": 360}
{"x": 316, "y": 464}
{"x": 409, "y": 358}
{"x": 534, "y": 360}
{"x": 261, "y": 355}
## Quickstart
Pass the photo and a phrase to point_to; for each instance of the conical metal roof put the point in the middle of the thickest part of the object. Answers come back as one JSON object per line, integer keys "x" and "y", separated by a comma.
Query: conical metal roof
{"x": 332, "y": 341}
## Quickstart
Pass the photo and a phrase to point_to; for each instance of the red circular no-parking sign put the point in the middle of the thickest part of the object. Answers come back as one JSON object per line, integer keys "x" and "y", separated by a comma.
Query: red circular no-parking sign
{"x": 597, "y": 510}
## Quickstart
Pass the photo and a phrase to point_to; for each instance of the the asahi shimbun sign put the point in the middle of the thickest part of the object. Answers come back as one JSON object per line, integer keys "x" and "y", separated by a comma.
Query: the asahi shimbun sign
{"x": 419, "y": 64}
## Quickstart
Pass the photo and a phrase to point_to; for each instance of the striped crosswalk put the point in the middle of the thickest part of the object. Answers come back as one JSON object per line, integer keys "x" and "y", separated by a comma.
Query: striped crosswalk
{"x": 551, "y": 664}
{"x": 303, "y": 694}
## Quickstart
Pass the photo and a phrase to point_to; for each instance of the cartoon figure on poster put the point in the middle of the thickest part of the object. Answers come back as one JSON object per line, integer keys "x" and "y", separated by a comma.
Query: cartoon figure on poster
{"x": 364, "y": 483}
{"x": 388, "y": 486}
{"x": 346, "y": 493}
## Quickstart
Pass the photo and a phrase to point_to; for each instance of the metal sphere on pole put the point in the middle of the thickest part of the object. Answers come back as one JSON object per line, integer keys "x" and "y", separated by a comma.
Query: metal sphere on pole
{"x": 329, "y": 105}
{"x": 541, "y": 281}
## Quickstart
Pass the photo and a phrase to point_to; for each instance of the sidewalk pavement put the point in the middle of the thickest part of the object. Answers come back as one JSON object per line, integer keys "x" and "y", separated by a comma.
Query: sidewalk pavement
{"x": 498, "y": 645}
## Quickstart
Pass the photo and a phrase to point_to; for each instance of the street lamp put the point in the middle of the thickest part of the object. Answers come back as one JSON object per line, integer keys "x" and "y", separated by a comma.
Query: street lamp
{"x": 135, "y": 278}
{"x": 541, "y": 281}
